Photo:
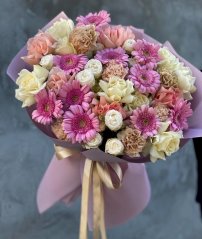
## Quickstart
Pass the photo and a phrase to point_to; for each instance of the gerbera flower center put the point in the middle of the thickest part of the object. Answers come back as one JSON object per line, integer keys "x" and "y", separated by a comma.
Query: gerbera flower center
{"x": 68, "y": 62}
{"x": 47, "y": 108}
{"x": 95, "y": 19}
{"x": 74, "y": 97}
{"x": 112, "y": 55}
{"x": 81, "y": 124}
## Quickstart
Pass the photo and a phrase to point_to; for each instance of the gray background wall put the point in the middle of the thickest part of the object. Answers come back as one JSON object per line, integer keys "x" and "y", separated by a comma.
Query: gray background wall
{"x": 25, "y": 152}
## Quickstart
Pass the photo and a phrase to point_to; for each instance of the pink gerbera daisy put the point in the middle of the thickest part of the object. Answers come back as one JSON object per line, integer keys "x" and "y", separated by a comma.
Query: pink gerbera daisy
{"x": 146, "y": 53}
{"x": 72, "y": 93}
{"x": 99, "y": 19}
{"x": 47, "y": 107}
{"x": 118, "y": 55}
{"x": 179, "y": 114}
{"x": 70, "y": 63}
{"x": 145, "y": 79}
{"x": 145, "y": 120}
{"x": 80, "y": 125}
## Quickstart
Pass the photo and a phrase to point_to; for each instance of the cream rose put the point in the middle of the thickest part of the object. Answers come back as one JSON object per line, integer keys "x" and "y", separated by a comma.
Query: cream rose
{"x": 61, "y": 28}
{"x": 117, "y": 89}
{"x": 63, "y": 47}
{"x": 30, "y": 83}
{"x": 47, "y": 61}
{"x": 95, "y": 66}
{"x": 86, "y": 77}
{"x": 164, "y": 144}
{"x": 114, "y": 146}
{"x": 128, "y": 45}
{"x": 139, "y": 100}
{"x": 113, "y": 120}
{"x": 95, "y": 142}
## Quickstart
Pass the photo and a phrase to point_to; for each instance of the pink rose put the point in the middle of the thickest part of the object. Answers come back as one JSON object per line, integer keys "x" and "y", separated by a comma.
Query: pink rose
{"x": 167, "y": 96}
{"x": 37, "y": 47}
{"x": 115, "y": 36}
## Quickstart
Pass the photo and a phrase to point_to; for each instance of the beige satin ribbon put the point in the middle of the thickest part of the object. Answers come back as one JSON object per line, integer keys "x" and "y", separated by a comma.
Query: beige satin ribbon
{"x": 97, "y": 174}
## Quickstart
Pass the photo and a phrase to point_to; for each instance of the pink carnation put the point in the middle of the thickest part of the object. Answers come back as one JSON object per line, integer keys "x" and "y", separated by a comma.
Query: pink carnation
{"x": 145, "y": 120}
{"x": 118, "y": 55}
{"x": 72, "y": 93}
{"x": 179, "y": 114}
{"x": 145, "y": 79}
{"x": 146, "y": 53}
{"x": 70, "y": 63}
{"x": 99, "y": 19}
{"x": 47, "y": 107}
{"x": 79, "y": 125}
{"x": 115, "y": 36}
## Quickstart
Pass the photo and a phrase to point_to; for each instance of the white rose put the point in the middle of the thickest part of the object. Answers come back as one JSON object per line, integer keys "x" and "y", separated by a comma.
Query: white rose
{"x": 113, "y": 120}
{"x": 95, "y": 142}
{"x": 164, "y": 144}
{"x": 61, "y": 29}
{"x": 95, "y": 66}
{"x": 114, "y": 146}
{"x": 30, "y": 83}
{"x": 128, "y": 45}
{"x": 86, "y": 77}
{"x": 47, "y": 61}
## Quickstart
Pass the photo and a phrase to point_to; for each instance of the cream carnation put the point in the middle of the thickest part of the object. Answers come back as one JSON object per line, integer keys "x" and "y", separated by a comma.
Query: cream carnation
{"x": 86, "y": 77}
{"x": 30, "y": 83}
{"x": 47, "y": 61}
{"x": 117, "y": 89}
{"x": 61, "y": 29}
{"x": 95, "y": 66}
{"x": 128, "y": 45}
{"x": 95, "y": 142}
{"x": 113, "y": 120}
{"x": 164, "y": 144}
{"x": 114, "y": 146}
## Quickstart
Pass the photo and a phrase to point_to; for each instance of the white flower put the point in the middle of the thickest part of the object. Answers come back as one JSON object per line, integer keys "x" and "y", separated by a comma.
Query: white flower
{"x": 173, "y": 65}
{"x": 164, "y": 144}
{"x": 47, "y": 61}
{"x": 95, "y": 66}
{"x": 128, "y": 45}
{"x": 114, "y": 146}
{"x": 117, "y": 89}
{"x": 113, "y": 120}
{"x": 61, "y": 28}
{"x": 94, "y": 143}
{"x": 86, "y": 77}
{"x": 30, "y": 83}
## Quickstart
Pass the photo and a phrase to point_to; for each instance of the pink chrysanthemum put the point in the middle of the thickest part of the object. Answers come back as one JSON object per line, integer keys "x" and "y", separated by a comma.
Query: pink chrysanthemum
{"x": 145, "y": 120}
{"x": 179, "y": 114}
{"x": 146, "y": 53}
{"x": 145, "y": 79}
{"x": 72, "y": 93}
{"x": 70, "y": 63}
{"x": 80, "y": 125}
{"x": 47, "y": 107}
{"x": 99, "y": 19}
{"x": 118, "y": 55}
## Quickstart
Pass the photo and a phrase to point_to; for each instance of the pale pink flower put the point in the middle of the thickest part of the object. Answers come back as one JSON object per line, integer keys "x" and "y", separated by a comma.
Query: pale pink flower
{"x": 79, "y": 125}
{"x": 47, "y": 107}
{"x": 99, "y": 19}
{"x": 144, "y": 79}
{"x": 117, "y": 54}
{"x": 145, "y": 120}
{"x": 115, "y": 36}
{"x": 70, "y": 63}
{"x": 72, "y": 93}
{"x": 168, "y": 96}
{"x": 38, "y": 46}
{"x": 179, "y": 114}
{"x": 146, "y": 53}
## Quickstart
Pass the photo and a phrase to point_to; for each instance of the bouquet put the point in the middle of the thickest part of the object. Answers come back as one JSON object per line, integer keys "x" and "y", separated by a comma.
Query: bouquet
{"x": 107, "y": 95}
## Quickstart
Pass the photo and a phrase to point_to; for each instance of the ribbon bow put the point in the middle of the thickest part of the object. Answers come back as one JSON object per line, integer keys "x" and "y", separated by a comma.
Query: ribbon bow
{"x": 99, "y": 174}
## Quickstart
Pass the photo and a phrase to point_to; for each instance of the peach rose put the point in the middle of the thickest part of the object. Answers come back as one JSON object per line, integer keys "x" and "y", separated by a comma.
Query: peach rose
{"x": 37, "y": 47}
{"x": 167, "y": 96}
{"x": 56, "y": 79}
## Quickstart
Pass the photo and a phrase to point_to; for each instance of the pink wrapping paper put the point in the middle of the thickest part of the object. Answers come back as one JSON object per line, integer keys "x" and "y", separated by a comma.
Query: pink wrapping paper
{"x": 62, "y": 180}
